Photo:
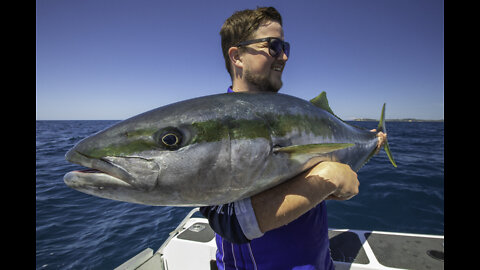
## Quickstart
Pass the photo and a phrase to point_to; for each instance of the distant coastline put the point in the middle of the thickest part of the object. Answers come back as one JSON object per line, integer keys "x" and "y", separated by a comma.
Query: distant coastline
{"x": 396, "y": 120}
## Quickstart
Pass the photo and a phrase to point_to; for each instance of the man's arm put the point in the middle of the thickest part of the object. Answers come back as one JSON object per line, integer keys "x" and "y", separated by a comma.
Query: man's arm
{"x": 243, "y": 220}
{"x": 286, "y": 202}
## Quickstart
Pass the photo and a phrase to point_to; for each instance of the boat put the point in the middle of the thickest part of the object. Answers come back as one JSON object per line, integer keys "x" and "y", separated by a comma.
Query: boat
{"x": 192, "y": 246}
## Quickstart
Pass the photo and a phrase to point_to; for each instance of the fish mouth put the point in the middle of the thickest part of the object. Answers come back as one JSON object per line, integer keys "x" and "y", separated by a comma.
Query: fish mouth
{"x": 100, "y": 169}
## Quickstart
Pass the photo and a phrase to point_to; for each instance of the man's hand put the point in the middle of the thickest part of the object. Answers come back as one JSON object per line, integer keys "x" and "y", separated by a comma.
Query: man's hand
{"x": 382, "y": 138}
{"x": 340, "y": 177}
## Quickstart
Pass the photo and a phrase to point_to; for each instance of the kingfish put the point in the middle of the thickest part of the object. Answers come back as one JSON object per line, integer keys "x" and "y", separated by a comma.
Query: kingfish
{"x": 216, "y": 149}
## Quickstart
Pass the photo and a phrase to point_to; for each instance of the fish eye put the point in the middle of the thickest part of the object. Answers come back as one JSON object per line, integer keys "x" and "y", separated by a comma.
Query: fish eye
{"x": 170, "y": 139}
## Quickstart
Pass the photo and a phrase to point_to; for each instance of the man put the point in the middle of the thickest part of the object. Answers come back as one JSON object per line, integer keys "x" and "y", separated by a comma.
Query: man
{"x": 284, "y": 227}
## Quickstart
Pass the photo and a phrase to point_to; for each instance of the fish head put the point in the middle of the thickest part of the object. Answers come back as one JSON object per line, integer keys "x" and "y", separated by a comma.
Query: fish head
{"x": 146, "y": 159}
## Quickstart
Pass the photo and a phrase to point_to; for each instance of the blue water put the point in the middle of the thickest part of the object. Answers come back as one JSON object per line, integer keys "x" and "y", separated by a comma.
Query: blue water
{"x": 79, "y": 231}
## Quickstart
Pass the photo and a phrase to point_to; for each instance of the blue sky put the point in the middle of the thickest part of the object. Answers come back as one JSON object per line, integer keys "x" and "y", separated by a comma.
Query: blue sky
{"x": 113, "y": 59}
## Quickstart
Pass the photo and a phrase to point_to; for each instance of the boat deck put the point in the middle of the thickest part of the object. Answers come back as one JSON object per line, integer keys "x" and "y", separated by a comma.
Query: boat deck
{"x": 192, "y": 246}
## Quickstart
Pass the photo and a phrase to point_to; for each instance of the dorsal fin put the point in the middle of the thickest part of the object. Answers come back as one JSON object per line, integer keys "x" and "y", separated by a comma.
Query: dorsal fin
{"x": 321, "y": 102}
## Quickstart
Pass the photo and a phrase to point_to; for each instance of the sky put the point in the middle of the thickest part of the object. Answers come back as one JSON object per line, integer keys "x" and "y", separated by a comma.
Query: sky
{"x": 114, "y": 59}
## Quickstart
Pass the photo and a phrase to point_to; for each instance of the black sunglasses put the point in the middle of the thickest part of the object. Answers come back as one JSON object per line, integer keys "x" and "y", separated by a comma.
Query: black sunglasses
{"x": 275, "y": 45}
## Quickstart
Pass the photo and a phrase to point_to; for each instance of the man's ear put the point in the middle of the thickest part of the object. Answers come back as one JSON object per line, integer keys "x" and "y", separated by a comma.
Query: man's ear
{"x": 234, "y": 55}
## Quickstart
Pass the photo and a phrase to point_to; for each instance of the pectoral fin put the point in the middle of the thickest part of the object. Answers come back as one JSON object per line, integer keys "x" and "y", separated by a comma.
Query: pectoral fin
{"x": 313, "y": 149}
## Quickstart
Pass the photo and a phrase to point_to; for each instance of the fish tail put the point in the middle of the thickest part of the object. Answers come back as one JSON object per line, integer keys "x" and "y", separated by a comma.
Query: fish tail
{"x": 381, "y": 127}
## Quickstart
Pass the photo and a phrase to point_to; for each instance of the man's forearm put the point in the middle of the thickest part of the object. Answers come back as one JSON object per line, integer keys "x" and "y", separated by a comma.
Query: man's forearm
{"x": 286, "y": 202}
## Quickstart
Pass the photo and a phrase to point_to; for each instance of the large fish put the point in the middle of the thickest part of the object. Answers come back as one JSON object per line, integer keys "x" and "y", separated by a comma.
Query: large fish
{"x": 216, "y": 149}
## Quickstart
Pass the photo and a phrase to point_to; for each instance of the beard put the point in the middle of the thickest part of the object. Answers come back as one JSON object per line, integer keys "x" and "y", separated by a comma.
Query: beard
{"x": 263, "y": 81}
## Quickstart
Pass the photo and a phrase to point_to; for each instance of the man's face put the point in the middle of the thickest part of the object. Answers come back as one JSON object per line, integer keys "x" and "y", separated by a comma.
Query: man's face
{"x": 261, "y": 70}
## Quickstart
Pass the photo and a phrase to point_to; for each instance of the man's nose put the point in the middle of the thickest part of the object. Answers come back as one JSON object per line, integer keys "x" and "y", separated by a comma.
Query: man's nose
{"x": 283, "y": 56}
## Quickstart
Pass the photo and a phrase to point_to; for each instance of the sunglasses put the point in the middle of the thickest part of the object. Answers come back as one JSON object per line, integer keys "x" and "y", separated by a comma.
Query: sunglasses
{"x": 275, "y": 45}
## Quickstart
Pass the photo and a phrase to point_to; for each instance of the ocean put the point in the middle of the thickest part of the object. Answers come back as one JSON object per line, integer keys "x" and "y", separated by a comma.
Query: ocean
{"x": 79, "y": 231}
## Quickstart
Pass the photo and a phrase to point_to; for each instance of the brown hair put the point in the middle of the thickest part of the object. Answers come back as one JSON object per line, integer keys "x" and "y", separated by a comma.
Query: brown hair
{"x": 241, "y": 26}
